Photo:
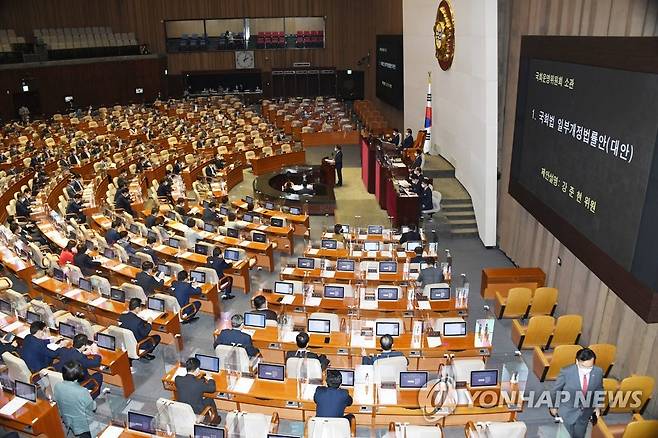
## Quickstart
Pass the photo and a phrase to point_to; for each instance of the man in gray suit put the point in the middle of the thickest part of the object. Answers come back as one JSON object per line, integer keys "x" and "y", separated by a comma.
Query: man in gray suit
{"x": 578, "y": 393}
{"x": 431, "y": 274}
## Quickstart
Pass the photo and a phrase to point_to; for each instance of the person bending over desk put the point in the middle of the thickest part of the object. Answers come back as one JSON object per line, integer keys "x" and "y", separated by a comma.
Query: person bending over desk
{"x": 149, "y": 220}
{"x": 35, "y": 351}
{"x": 84, "y": 261}
{"x": 386, "y": 342}
{"x": 235, "y": 337}
{"x": 191, "y": 388}
{"x": 183, "y": 291}
{"x": 411, "y": 235}
{"x": 87, "y": 356}
{"x": 302, "y": 342}
{"x": 139, "y": 327}
{"x": 146, "y": 278}
{"x": 431, "y": 274}
{"x": 331, "y": 400}
{"x": 217, "y": 262}
{"x": 75, "y": 405}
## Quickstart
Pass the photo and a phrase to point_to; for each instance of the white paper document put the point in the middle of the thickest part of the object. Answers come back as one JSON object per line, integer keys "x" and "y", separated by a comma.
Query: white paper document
{"x": 308, "y": 391}
{"x": 424, "y": 305}
{"x": 40, "y": 279}
{"x": 149, "y": 314}
{"x": 364, "y": 394}
{"x": 112, "y": 432}
{"x": 10, "y": 408}
{"x": 388, "y": 396}
{"x": 11, "y": 327}
{"x": 243, "y": 385}
{"x": 98, "y": 301}
{"x": 288, "y": 271}
{"x": 434, "y": 341}
{"x": 328, "y": 274}
{"x": 72, "y": 293}
{"x": 250, "y": 332}
{"x": 368, "y": 304}
{"x": 313, "y": 301}
{"x": 288, "y": 299}
{"x": 313, "y": 251}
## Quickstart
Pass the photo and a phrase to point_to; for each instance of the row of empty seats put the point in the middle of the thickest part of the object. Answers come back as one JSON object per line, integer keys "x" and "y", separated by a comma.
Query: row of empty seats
{"x": 7, "y": 38}
{"x": 84, "y": 37}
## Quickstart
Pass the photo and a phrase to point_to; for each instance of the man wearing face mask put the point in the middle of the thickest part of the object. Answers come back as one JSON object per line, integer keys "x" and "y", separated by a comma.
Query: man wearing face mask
{"x": 578, "y": 390}
{"x": 408, "y": 140}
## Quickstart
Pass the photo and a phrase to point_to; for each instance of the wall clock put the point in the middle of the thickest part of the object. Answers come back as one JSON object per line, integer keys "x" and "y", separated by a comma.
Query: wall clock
{"x": 444, "y": 35}
{"x": 244, "y": 59}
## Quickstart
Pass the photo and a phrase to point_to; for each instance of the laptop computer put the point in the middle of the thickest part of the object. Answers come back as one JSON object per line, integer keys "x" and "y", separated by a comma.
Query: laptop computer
{"x": 26, "y": 391}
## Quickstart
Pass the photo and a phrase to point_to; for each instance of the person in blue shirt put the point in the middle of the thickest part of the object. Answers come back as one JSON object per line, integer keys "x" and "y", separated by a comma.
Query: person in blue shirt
{"x": 140, "y": 328}
{"x": 87, "y": 356}
{"x": 386, "y": 343}
{"x": 35, "y": 351}
{"x": 146, "y": 279}
{"x": 183, "y": 291}
{"x": 331, "y": 400}
{"x": 75, "y": 405}
{"x": 217, "y": 262}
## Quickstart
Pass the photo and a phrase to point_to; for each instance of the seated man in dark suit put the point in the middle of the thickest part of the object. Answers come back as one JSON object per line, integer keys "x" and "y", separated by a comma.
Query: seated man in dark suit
{"x": 183, "y": 291}
{"x": 35, "y": 351}
{"x": 418, "y": 161}
{"x": 408, "y": 140}
{"x": 210, "y": 216}
{"x": 418, "y": 258}
{"x": 164, "y": 189}
{"x": 149, "y": 220}
{"x": 191, "y": 388}
{"x": 331, "y": 400}
{"x": 84, "y": 261}
{"x": 146, "y": 279}
{"x": 150, "y": 249}
{"x": 430, "y": 275}
{"x": 234, "y": 336}
{"x": 74, "y": 208}
{"x": 85, "y": 355}
{"x": 260, "y": 304}
{"x": 410, "y": 236}
{"x": 112, "y": 235}
{"x": 386, "y": 342}
{"x": 302, "y": 342}
{"x": 217, "y": 262}
{"x": 23, "y": 208}
{"x": 139, "y": 327}
{"x": 122, "y": 201}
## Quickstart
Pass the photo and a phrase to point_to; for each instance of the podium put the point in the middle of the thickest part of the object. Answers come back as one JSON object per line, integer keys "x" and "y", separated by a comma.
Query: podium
{"x": 327, "y": 173}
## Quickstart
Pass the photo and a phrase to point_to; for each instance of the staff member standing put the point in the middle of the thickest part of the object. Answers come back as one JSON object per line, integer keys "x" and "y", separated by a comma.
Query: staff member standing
{"x": 338, "y": 162}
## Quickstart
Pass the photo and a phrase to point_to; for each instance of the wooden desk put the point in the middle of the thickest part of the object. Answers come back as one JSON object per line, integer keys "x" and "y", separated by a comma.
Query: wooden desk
{"x": 40, "y": 418}
{"x": 503, "y": 279}
{"x": 262, "y": 165}
{"x": 342, "y": 277}
{"x": 344, "y": 253}
{"x": 329, "y": 138}
{"x": 68, "y": 297}
{"x": 300, "y": 222}
{"x": 24, "y": 269}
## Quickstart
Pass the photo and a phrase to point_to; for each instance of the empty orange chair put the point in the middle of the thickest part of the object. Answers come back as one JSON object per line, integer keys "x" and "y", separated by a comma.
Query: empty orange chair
{"x": 536, "y": 334}
{"x": 567, "y": 330}
{"x": 544, "y": 301}
{"x": 515, "y": 305}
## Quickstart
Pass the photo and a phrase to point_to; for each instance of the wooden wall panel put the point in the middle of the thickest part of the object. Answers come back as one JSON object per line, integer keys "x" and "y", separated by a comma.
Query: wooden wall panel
{"x": 351, "y": 27}
{"x": 606, "y": 317}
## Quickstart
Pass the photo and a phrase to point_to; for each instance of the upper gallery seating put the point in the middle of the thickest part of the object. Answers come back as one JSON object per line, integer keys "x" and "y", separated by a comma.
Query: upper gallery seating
{"x": 86, "y": 42}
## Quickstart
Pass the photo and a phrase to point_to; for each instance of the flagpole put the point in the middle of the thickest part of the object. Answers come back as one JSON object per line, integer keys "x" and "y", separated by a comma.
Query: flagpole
{"x": 428, "y": 116}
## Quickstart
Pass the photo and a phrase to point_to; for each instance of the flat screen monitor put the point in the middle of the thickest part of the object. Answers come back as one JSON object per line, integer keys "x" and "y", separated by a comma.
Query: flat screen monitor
{"x": 482, "y": 378}
{"x": 135, "y": 261}
{"x": 254, "y": 320}
{"x": 31, "y": 317}
{"x": 268, "y": 371}
{"x": 106, "y": 341}
{"x": 344, "y": 229}
{"x": 259, "y": 237}
{"x": 249, "y": 199}
{"x": 319, "y": 326}
{"x": 108, "y": 253}
{"x": 200, "y": 248}
{"x": 369, "y": 245}
{"x": 157, "y": 304}
{"x": 174, "y": 243}
{"x": 163, "y": 268}
{"x": 269, "y": 205}
{"x": 329, "y": 244}
{"x": 151, "y": 235}
{"x": 231, "y": 254}
{"x": 457, "y": 328}
{"x": 232, "y": 232}
{"x": 210, "y": 228}
{"x": 411, "y": 246}
{"x": 387, "y": 328}
{"x": 66, "y": 330}
{"x": 305, "y": 263}
{"x": 375, "y": 229}
{"x": 89, "y": 244}
{"x": 5, "y": 307}
{"x": 84, "y": 284}
{"x": 387, "y": 293}
{"x": 141, "y": 422}
{"x": 208, "y": 363}
{"x": 224, "y": 211}
{"x": 203, "y": 431}
{"x": 276, "y": 222}
{"x": 413, "y": 379}
{"x": 348, "y": 377}
{"x": 134, "y": 229}
{"x": 388, "y": 267}
{"x": 26, "y": 391}
{"x": 117, "y": 295}
{"x": 59, "y": 274}
{"x": 198, "y": 276}
{"x": 345, "y": 265}
{"x": 295, "y": 210}
{"x": 283, "y": 287}
{"x": 331, "y": 291}
{"x": 248, "y": 217}
{"x": 439, "y": 293}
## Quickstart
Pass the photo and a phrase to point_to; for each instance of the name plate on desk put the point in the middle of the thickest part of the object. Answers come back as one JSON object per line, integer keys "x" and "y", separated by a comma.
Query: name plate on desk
{"x": 40, "y": 280}
{"x": 288, "y": 271}
{"x": 313, "y": 251}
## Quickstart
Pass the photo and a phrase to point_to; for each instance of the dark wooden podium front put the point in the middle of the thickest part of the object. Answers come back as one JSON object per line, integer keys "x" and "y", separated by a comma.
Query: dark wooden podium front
{"x": 328, "y": 173}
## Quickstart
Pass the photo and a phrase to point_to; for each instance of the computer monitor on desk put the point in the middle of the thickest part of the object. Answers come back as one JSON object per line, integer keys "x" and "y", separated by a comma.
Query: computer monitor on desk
{"x": 203, "y": 431}
{"x": 345, "y": 265}
{"x": 329, "y": 244}
{"x": 66, "y": 330}
{"x": 268, "y": 371}
{"x": 208, "y": 363}
{"x": 413, "y": 379}
{"x": 259, "y": 237}
{"x": 454, "y": 329}
{"x": 117, "y": 295}
{"x": 231, "y": 254}
{"x": 106, "y": 341}
{"x": 157, "y": 304}
{"x": 369, "y": 245}
{"x": 387, "y": 293}
{"x": 387, "y": 328}
{"x": 388, "y": 267}
{"x": 440, "y": 293}
{"x": 254, "y": 320}
{"x": 84, "y": 284}
{"x": 348, "y": 377}
{"x": 375, "y": 229}
{"x": 332, "y": 291}
{"x": 200, "y": 248}
{"x": 31, "y": 317}
{"x": 322, "y": 326}
{"x": 295, "y": 210}
{"x": 5, "y": 307}
{"x": 484, "y": 378}
{"x": 198, "y": 276}
{"x": 276, "y": 222}
{"x": 25, "y": 391}
{"x": 305, "y": 263}
{"x": 141, "y": 422}
{"x": 59, "y": 275}
{"x": 283, "y": 287}
{"x": 232, "y": 232}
